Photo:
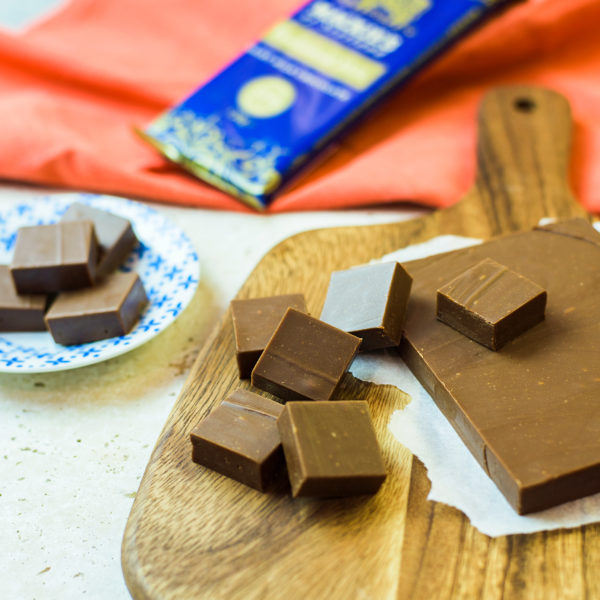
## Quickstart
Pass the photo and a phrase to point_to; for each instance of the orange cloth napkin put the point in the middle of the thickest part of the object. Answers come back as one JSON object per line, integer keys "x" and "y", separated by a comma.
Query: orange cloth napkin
{"x": 72, "y": 87}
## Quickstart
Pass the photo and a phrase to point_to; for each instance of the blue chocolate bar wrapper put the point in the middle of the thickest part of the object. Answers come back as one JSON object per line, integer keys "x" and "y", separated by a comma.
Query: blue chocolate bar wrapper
{"x": 260, "y": 119}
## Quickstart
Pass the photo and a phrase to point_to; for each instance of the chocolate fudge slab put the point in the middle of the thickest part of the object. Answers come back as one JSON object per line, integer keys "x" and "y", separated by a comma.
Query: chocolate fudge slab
{"x": 114, "y": 233}
{"x": 330, "y": 448}
{"x": 577, "y": 227}
{"x": 19, "y": 312}
{"x": 530, "y": 413}
{"x": 305, "y": 358}
{"x": 240, "y": 439}
{"x": 491, "y": 304}
{"x": 369, "y": 302}
{"x": 254, "y": 321}
{"x": 109, "y": 309}
{"x": 52, "y": 258}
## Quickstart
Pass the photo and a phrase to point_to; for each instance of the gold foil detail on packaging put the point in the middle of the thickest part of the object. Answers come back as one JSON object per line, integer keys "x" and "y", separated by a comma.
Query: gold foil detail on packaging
{"x": 204, "y": 151}
{"x": 325, "y": 55}
{"x": 267, "y": 96}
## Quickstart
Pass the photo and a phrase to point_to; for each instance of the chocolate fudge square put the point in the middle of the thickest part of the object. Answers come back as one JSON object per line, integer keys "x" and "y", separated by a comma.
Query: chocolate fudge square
{"x": 19, "y": 312}
{"x": 53, "y": 258}
{"x": 369, "y": 302}
{"x": 254, "y": 321}
{"x": 491, "y": 304}
{"x": 305, "y": 359}
{"x": 109, "y": 309}
{"x": 114, "y": 234}
{"x": 240, "y": 439}
{"x": 331, "y": 448}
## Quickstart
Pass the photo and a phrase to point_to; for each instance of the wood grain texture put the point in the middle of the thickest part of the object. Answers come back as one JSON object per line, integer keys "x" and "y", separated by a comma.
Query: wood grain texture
{"x": 195, "y": 534}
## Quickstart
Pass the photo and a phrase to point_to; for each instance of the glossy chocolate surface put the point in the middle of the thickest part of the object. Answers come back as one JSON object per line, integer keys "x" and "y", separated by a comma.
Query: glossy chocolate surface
{"x": 109, "y": 309}
{"x": 114, "y": 234}
{"x": 254, "y": 321}
{"x": 491, "y": 304}
{"x": 19, "y": 312}
{"x": 52, "y": 258}
{"x": 330, "y": 448}
{"x": 530, "y": 413}
{"x": 369, "y": 302}
{"x": 240, "y": 439}
{"x": 305, "y": 359}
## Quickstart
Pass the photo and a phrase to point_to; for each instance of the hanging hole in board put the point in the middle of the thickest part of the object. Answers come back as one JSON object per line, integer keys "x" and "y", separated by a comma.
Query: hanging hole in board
{"x": 524, "y": 104}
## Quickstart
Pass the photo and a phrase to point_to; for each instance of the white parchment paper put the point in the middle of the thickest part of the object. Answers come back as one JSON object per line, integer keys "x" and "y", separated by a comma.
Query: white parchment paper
{"x": 456, "y": 477}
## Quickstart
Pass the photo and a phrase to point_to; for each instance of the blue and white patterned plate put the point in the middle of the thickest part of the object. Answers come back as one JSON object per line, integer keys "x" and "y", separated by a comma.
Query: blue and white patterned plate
{"x": 164, "y": 259}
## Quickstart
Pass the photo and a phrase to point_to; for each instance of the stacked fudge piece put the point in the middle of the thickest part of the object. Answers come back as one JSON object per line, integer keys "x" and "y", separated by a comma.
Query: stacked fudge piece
{"x": 62, "y": 278}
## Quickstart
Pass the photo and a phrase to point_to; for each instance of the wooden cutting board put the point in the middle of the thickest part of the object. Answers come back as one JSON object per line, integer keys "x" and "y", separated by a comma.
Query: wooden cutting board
{"x": 195, "y": 534}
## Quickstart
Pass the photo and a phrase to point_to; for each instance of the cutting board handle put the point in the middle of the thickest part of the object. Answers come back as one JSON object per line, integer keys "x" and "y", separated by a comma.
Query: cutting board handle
{"x": 523, "y": 153}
